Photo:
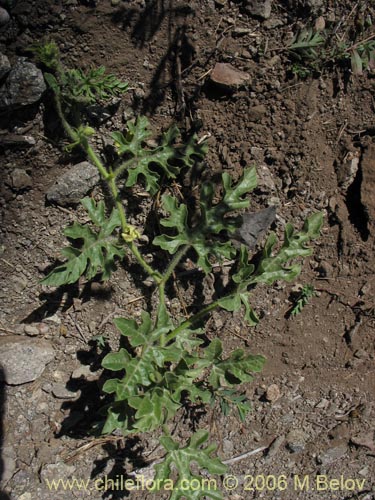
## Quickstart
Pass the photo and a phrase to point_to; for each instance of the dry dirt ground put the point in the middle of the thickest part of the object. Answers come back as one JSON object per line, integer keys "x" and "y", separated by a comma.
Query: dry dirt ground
{"x": 301, "y": 134}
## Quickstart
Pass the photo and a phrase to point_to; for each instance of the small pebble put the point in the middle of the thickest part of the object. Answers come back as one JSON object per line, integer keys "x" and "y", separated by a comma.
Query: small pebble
{"x": 61, "y": 392}
{"x": 332, "y": 455}
{"x": 273, "y": 393}
{"x": 296, "y": 440}
{"x": 31, "y": 330}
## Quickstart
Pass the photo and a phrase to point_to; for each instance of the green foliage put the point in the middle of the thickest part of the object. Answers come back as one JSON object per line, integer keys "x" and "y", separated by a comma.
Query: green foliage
{"x": 363, "y": 58}
{"x": 307, "y": 292}
{"x": 304, "y": 45}
{"x": 77, "y": 85}
{"x": 101, "y": 341}
{"x": 162, "y": 375}
{"x": 47, "y": 54}
{"x": 165, "y": 364}
{"x": 97, "y": 253}
{"x": 204, "y": 234}
{"x": 180, "y": 460}
{"x": 139, "y": 160}
{"x": 313, "y": 49}
{"x": 272, "y": 266}
{"x": 92, "y": 85}
{"x": 229, "y": 398}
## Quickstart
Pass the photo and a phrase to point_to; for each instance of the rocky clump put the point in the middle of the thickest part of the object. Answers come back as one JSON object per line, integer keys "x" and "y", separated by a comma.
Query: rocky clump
{"x": 23, "y": 86}
{"x": 228, "y": 77}
{"x": 74, "y": 184}
{"x": 258, "y": 8}
{"x": 23, "y": 359}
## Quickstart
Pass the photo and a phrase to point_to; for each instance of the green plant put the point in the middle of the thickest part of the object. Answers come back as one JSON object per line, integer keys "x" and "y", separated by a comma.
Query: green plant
{"x": 312, "y": 50}
{"x": 76, "y": 89}
{"x": 169, "y": 362}
{"x": 305, "y": 44}
{"x": 303, "y": 298}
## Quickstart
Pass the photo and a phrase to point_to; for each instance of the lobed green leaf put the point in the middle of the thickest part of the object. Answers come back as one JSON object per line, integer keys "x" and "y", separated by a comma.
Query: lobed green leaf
{"x": 98, "y": 252}
{"x": 141, "y": 160}
{"x": 181, "y": 459}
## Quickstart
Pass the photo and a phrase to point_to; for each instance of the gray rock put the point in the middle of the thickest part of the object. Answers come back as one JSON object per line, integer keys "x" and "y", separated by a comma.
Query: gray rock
{"x": 17, "y": 141}
{"x": 275, "y": 447}
{"x": 61, "y": 392}
{"x": 266, "y": 183}
{"x": 84, "y": 372}
{"x": 74, "y": 184}
{"x": 23, "y": 359}
{"x": 31, "y": 331}
{"x": 20, "y": 179}
{"x": 225, "y": 75}
{"x": 9, "y": 463}
{"x": 332, "y": 454}
{"x": 273, "y": 393}
{"x": 56, "y": 471}
{"x": 4, "y": 65}
{"x": 296, "y": 440}
{"x": 4, "y": 17}
{"x": 258, "y": 8}
{"x": 253, "y": 226}
{"x": 23, "y": 86}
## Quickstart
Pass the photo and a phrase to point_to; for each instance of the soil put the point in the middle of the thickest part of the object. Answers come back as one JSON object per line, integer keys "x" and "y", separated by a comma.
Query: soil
{"x": 299, "y": 133}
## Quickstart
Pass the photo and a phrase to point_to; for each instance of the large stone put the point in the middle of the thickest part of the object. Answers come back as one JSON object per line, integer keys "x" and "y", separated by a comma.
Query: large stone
{"x": 20, "y": 179}
{"x": 227, "y": 76}
{"x": 258, "y": 8}
{"x": 23, "y": 86}
{"x": 23, "y": 359}
{"x": 74, "y": 184}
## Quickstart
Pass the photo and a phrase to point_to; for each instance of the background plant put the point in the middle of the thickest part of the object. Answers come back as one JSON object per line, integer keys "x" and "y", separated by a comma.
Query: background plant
{"x": 168, "y": 361}
{"x": 314, "y": 48}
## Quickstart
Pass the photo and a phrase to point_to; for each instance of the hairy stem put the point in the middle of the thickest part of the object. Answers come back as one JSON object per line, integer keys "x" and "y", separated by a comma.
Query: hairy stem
{"x": 193, "y": 319}
{"x": 155, "y": 275}
{"x": 173, "y": 263}
{"x": 72, "y": 134}
{"x": 110, "y": 179}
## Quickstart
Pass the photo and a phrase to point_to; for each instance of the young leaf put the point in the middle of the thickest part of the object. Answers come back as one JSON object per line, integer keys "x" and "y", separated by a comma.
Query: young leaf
{"x": 149, "y": 401}
{"x": 272, "y": 268}
{"x": 356, "y": 63}
{"x": 181, "y": 459}
{"x": 92, "y": 85}
{"x": 98, "y": 251}
{"x": 228, "y": 398}
{"x": 166, "y": 156}
{"x": 307, "y": 292}
{"x": 204, "y": 235}
{"x": 234, "y": 370}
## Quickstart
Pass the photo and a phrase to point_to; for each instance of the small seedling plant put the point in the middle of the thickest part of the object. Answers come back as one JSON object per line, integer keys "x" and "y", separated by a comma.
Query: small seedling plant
{"x": 305, "y": 295}
{"x": 313, "y": 49}
{"x": 169, "y": 362}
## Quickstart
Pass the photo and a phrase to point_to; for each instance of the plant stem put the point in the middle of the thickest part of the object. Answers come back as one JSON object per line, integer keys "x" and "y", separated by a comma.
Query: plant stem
{"x": 72, "y": 134}
{"x": 155, "y": 275}
{"x": 173, "y": 263}
{"x": 110, "y": 179}
{"x": 196, "y": 317}
{"x": 119, "y": 205}
{"x": 124, "y": 166}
